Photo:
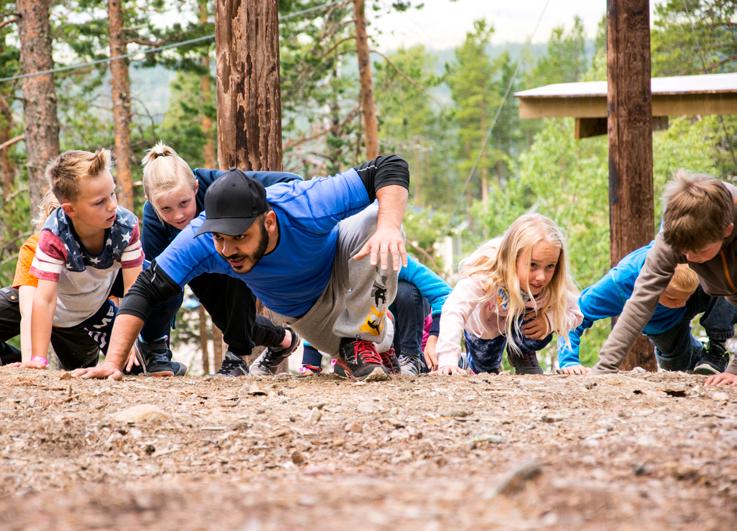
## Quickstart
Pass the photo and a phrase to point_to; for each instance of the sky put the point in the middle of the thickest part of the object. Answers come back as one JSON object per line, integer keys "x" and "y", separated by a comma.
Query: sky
{"x": 443, "y": 24}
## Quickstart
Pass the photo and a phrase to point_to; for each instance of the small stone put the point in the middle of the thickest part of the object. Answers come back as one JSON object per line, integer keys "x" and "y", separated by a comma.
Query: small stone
{"x": 354, "y": 427}
{"x": 149, "y": 449}
{"x": 141, "y": 413}
{"x": 479, "y": 440}
{"x": 298, "y": 458}
{"x": 315, "y": 416}
{"x": 641, "y": 470}
{"x": 65, "y": 376}
{"x": 518, "y": 477}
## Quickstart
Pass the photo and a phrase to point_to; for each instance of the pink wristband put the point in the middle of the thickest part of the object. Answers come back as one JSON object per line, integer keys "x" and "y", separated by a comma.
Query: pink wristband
{"x": 40, "y": 359}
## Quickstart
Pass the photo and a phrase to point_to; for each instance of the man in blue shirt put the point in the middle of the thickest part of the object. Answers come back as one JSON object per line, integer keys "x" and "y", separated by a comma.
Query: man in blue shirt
{"x": 302, "y": 248}
{"x": 229, "y": 302}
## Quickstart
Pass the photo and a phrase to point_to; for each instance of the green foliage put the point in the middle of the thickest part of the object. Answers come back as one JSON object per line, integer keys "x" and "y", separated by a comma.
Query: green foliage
{"x": 566, "y": 59}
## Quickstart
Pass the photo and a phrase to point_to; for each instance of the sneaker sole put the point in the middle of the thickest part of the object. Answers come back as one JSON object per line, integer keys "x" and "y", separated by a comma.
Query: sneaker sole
{"x": 162, "y": 374}
{"x": 376, "y": 375}
{"x": 706, "y": 370}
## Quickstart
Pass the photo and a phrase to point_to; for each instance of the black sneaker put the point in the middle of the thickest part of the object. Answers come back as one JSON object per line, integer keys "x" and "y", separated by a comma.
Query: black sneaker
{"x": 358, "y": 359}
{"x": 410, "y": 365}
{"x": 524, "y": 362}
{"x": 713, "y": 360}
{"x": 233, "y": 365}
{"x": 154, "y": 359}
{"x": 269, "y": 360}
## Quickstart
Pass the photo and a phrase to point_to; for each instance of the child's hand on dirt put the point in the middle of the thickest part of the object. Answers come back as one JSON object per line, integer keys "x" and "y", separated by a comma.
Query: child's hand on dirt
{"x": 431, "y": 357}
{"x": 574, "y": 369}
{"x": 450, "y": 370}
{"x": 721, "y": 380}
{"x": 535, "y": 325}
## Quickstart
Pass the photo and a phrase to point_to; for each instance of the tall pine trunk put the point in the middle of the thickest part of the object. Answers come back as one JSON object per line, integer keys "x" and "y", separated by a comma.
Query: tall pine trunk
{"x": 7, "y": 168}
{"x": 208, "y": 151}
{"x": 39, "y": 93}
{"x": 368, "y": 108}
{"x": 208, "y": 155}
{"x": 121, "y": 96}
{"x": 248, "y": 97}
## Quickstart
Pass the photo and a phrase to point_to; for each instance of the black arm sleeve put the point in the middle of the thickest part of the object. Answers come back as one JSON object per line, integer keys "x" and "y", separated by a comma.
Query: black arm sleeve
{"x": 150, "y": 288}
{"x": 382, "y": 171}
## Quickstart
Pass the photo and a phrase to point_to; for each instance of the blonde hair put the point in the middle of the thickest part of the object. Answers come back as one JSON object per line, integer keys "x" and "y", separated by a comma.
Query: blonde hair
{"x": 66, "y": 170}
{"x": 163, "y": 170}
{"x": 684, "y": 279}
{"x": 495, "y": 264}
{"x": 48, "y": 204}
{"x": 698, "y": 208}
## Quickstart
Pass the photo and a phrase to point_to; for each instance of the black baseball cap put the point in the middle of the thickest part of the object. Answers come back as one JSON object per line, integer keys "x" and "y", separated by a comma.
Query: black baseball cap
{"x": 232, "y": 203}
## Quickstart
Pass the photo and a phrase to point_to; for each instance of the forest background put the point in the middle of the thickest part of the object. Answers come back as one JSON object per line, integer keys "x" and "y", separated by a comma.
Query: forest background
{"x": 451, "y": 113}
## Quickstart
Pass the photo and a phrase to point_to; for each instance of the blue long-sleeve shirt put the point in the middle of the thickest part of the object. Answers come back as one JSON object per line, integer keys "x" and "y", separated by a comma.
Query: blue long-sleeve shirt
{"x": 430, "y": 286}
{"x": 157, "y": 235}
{"x": 607, "y": 298}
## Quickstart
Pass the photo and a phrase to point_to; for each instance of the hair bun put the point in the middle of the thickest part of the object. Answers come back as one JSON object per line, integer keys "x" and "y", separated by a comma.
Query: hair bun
{"x": 159, "y": 150}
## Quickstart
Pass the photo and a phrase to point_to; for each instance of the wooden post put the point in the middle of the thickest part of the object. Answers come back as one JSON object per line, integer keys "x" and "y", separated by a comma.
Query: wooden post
{"x": 39, "y": 94}
{"x": 629, "y": 102}
{"x": 248, "y": 97}
{"x": 120, "y": 86}
{"x": 368, "y": 108}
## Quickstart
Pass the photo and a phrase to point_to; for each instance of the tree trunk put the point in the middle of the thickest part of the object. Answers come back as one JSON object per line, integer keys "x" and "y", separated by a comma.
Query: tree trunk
{"x": 39, "y": 94}
{"x": 368, "y": 109}
{"x": 217, "y": 347}
{"x": 7, "y": 168}
{"x": 248, "y": 97}
{"x": 629, "y": 101}
{"x": 121, "y": 95}
{"x": 208, "y": 151}
{"x": 204, "y": 339}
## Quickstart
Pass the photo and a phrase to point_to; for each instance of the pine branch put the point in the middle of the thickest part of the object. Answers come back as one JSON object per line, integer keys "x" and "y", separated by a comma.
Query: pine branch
{"x": 294, "y": 143}
{"x": 12, "y": 141}
{"x": 14, "y": 17}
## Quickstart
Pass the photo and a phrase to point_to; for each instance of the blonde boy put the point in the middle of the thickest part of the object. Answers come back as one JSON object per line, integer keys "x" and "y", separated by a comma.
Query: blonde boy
{"x": 83, "y": 246}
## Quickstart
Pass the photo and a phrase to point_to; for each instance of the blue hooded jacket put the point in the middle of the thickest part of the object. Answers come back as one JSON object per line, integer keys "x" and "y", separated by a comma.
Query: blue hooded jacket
{"x": 606, "y": 299}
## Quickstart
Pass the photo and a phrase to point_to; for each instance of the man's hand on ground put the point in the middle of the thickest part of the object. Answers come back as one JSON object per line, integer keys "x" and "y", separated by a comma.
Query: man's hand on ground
{"x": 104, "y": 370}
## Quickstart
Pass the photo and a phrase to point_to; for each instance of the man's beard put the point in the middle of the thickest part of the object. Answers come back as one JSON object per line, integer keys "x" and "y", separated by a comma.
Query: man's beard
{"x": 252, "y": 259}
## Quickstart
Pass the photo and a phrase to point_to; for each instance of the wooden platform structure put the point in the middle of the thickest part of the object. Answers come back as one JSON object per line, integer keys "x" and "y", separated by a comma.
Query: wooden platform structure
{"x": 671, "y": 96}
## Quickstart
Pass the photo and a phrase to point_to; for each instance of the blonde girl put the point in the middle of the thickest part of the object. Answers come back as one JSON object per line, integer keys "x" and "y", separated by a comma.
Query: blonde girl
{"x": 515, "y": 292}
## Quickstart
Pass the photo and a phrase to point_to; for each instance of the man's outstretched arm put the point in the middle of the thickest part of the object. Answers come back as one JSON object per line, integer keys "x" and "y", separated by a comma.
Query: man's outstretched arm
{"x": 151, "y": 287}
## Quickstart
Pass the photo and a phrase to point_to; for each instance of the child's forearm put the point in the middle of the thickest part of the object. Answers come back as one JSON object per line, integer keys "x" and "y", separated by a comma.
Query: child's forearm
{"x": 25, "y": 304}
{"x": 41, "y": 323}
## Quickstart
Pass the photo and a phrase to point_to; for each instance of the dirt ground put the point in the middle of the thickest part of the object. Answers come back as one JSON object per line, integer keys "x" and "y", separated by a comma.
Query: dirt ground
{"x": 627, "y": 451}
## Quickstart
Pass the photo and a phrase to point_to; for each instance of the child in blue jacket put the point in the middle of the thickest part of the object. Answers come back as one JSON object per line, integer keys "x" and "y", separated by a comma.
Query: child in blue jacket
{"x": 669, "y": 329}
